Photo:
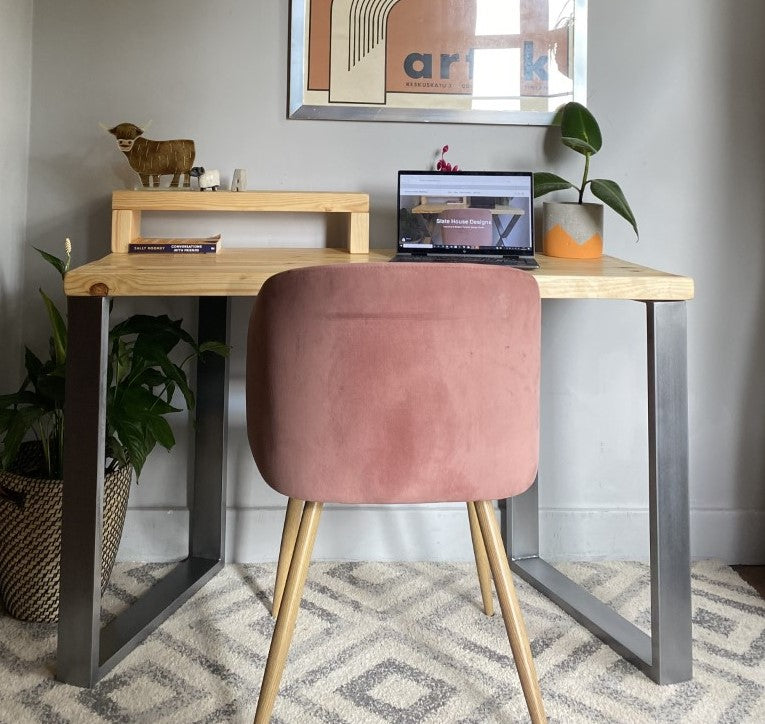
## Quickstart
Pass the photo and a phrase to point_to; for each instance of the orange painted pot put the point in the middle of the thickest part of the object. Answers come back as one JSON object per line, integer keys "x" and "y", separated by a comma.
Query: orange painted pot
{"x": 572, "y": 231}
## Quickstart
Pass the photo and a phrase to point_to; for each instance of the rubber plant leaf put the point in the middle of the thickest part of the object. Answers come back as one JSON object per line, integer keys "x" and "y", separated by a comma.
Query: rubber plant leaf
{"x": 610, "y": 193}
{"x": 545, "y": 182}
{"x": 579, "y": 130}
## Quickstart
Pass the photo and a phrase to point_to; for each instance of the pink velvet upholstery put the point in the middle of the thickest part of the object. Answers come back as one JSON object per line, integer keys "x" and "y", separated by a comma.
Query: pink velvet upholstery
{"x": 395, "y": 383}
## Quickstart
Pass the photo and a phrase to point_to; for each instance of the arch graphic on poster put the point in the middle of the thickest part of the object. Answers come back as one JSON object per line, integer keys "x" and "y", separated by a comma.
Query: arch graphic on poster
{"x": 357, "y": 54}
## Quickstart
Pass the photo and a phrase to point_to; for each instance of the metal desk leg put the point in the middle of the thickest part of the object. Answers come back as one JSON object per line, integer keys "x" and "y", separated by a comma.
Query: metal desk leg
{"x": 85, "y": 414}
{"x": 207, "y": 532}
{"x": 85, "y": 653}
{"x": 668, "y": 493}
{"x": 665, "y": 656}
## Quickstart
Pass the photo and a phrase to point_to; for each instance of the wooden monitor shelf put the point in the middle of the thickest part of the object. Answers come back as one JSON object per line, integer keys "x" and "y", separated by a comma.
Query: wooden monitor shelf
{"x": 128, "y": 205}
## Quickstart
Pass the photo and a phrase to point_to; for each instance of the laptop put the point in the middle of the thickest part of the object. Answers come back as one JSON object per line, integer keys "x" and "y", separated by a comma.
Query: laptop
{"x": 483, "y": 217}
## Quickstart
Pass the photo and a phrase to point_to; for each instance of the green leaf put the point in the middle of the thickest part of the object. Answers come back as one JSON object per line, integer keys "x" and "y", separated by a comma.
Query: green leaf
{"x": 133, "y": 439}
{"x": 119, "y": 360}
{"x": 160, "y": 328}
{"x": 17, "y": 427}
{"x": 22, "y": 397}
{"x": 579, "y": 129}
{"x": 213, "y": 347}
{"x": 176, "y": 376}
{"x": 162, "y": 432}
{"x": 58, "y": 329}
{"x": 115, "y": 450}
{"x": 51, "y": 387}
{"x": 545, "y": 182}
{"x": 611, "y": 194}
{"x": 141, "y": 404}
{"x": 59, "y": 264}
{"x": 32, "y": 364}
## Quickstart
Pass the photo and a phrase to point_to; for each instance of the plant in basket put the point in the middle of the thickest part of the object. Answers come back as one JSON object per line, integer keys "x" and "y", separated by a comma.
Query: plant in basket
{"x": 144, "y": 375}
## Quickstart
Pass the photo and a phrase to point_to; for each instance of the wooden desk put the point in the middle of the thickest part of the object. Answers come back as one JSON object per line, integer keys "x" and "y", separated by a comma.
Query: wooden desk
{"x": 86, "y": 653}
{"x": 241, "y": 272}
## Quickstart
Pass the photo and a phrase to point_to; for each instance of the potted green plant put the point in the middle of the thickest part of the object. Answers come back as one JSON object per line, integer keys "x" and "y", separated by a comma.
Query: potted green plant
{"x": 575, "y": 229}
{"x": 142, "y": 380}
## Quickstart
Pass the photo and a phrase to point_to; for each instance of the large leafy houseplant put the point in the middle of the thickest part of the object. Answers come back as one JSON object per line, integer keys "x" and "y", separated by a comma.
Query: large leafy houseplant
{"x": 581, "y": 133}
{"x": 142, "y": 379}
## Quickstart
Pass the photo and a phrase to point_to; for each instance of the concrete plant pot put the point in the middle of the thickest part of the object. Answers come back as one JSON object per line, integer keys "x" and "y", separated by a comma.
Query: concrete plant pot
{"x": 572, "y": 231}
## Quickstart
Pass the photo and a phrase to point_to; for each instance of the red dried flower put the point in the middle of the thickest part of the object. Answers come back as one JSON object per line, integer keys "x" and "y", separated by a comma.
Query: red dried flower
{"x": 443, "y": 165}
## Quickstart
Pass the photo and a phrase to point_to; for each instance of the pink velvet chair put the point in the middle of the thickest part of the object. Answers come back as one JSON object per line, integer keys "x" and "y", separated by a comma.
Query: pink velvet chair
{"x": 395, "y": 383}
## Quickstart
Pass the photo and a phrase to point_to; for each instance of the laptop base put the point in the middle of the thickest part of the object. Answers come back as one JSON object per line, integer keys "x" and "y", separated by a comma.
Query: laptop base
{"x": 520, "y": 262}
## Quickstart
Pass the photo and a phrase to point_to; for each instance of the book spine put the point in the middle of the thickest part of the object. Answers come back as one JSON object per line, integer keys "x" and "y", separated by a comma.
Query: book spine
{"x": 172, "y": 248}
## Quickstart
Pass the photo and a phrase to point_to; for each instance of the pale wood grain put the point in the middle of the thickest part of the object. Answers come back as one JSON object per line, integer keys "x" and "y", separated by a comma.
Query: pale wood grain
{"x": 481, "y": 560}
{"x": 126, "y": 227}
{"x": 608, "y": 278}
{"x": 230, "y": 272}
{"x": 286, "y": 549}
{"x": 297, "y": 201}
{"x": 128, "y": 205}
{"x": 285, "y": 623}
{"x": 241, "y": 272}
{"x": 511, "y": 610}
{"x": 358, "y": 233}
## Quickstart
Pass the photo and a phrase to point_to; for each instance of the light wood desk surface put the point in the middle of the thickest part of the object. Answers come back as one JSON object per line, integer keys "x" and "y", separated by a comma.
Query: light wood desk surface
{"x": 241, "y": 272}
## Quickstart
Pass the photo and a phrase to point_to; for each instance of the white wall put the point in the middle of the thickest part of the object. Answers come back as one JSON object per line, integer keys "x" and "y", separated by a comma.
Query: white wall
{"x": 675, "y": 88}
{"x": 15, "y": 90}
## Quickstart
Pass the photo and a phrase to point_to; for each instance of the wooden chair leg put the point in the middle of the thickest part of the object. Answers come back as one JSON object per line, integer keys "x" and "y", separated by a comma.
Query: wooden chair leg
{"x": 481, "y": 560}
{"x": 289, "y": 535}
{"x": 285, "y": 622}
{"x": 511, "y": 611}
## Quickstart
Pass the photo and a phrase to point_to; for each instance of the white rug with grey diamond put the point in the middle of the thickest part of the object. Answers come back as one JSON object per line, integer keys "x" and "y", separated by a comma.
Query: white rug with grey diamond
{"x": 395, "y": 642}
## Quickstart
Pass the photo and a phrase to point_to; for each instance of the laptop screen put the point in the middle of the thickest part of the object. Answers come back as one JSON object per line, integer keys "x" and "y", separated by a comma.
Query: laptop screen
{"x": 467, "y": 212}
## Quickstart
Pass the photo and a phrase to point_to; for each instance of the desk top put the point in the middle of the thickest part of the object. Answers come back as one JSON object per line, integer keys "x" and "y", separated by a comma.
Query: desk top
{"x": 241, "y": 272}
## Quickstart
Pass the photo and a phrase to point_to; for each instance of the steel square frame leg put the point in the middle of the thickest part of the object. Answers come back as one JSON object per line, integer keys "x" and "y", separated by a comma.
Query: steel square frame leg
{"x": 86, "y": 652}
{"x": 665, "y": 655}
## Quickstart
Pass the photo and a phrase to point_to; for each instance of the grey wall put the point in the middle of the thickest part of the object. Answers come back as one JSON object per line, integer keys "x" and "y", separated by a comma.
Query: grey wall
{"x": 674, "y": 88}
{"x": 15, "y": 89}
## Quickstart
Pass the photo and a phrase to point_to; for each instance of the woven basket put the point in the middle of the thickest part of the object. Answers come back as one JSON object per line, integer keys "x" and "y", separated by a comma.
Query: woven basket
{"x": 30, "y": 541}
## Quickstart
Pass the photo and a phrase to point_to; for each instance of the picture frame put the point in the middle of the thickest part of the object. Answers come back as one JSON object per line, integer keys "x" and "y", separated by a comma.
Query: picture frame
{"x": 447, "y": 61}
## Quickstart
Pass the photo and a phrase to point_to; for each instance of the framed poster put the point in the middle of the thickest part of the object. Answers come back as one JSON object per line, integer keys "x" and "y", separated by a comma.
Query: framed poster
{"x": 452, "y": 61}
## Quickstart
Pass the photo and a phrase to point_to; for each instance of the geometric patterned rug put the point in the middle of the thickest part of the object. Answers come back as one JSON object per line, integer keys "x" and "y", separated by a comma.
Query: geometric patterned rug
{"x": 395, "y": 642}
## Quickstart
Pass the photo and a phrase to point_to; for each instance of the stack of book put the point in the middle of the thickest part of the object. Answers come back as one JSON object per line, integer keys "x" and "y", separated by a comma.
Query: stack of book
{"x": 161, "y": 245}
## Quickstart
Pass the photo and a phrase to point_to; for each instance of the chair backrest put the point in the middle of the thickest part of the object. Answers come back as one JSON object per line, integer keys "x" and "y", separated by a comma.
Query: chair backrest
{"x": 395, "y": 383}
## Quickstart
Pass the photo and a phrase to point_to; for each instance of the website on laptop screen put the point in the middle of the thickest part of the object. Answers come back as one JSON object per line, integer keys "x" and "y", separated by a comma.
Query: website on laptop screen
{"x": 464, "y": 212}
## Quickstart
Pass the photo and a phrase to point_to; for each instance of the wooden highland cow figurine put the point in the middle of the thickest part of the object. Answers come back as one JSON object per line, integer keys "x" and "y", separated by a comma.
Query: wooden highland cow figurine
{"x": 152, "y": 159}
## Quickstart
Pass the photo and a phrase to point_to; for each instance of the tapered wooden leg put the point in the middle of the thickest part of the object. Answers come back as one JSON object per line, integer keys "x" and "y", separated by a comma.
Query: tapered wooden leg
{"x": 285, "y": 623}
{"x": 481, "y": 560}
{"x": 511, "y": 610}
{"x": 289, "y": 535}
